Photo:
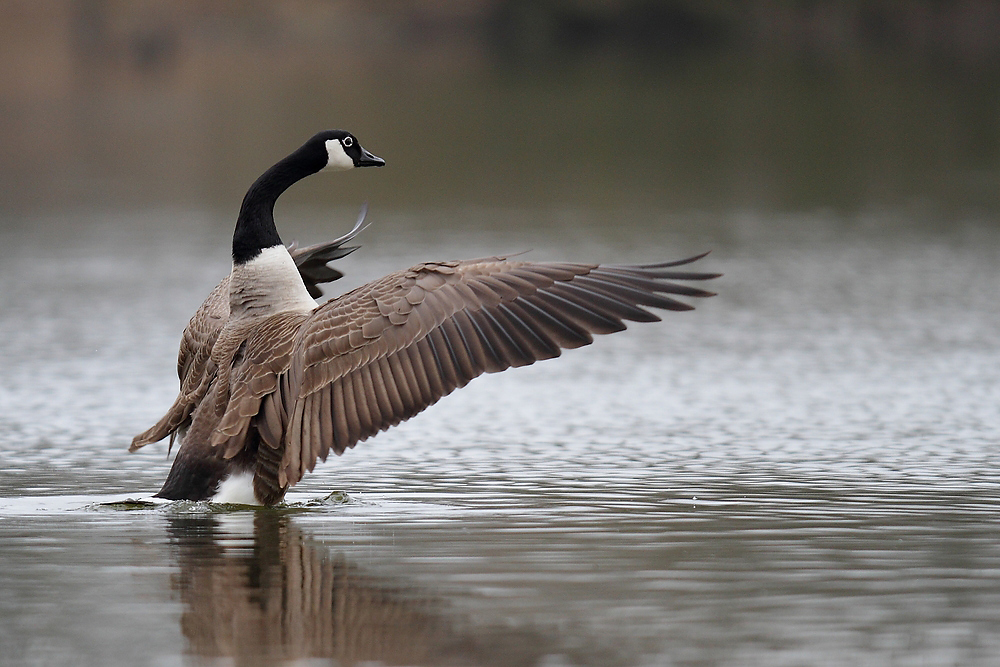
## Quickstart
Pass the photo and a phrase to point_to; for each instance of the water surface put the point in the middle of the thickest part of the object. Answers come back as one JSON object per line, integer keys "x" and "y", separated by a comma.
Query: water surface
{"x": 801, "y": 471}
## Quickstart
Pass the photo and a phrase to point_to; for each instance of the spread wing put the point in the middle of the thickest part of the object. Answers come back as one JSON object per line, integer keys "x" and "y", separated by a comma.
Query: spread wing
{"x": 195, "y": 368}
{"x": 385, "y": 351}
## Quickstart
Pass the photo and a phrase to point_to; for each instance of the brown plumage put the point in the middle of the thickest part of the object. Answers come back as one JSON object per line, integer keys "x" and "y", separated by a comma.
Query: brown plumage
{"x": 270, "y": 386}
{"x": 303, "y": 384}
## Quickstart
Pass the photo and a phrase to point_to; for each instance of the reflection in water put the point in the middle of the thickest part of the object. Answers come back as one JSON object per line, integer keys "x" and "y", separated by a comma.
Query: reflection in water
{"x": 255, "y": 589}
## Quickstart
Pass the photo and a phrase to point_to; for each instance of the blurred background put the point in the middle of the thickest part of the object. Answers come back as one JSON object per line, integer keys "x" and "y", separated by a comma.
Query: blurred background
{"x": 682, "y": 105}
{"x": 804, "y": 470}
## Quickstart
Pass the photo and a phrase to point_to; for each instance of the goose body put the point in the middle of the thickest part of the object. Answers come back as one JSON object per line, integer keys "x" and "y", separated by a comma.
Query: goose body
{"x": 271, "y": 382}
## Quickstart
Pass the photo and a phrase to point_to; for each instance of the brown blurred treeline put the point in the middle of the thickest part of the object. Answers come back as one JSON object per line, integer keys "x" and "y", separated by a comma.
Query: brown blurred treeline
{"x": 689, "y": 103}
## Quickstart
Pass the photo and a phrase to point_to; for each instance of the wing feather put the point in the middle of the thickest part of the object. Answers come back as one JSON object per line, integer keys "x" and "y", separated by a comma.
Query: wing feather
{"x": 448, "y": 378}
{"x": 350, "y": 413}
{"x": 271, "y": 423}
{"x": 293, "y": 442}
{"x": 195, "y": 368}
{"x": 313, "y": 434}
{"x": 402, "y": 374}
{"x": 387, "y": 380}
{"x": 427, "y": 369}
{"x": 629, "y": 294}
{"x": 533, "y": 333}
{"x": 479, "y": 359}
{"x": 384, "y": 352}
{"x": 493, "y": 357}
{"x": 361, "y": 405}
{"x": 562, "y": 329}
{"x": 585, "y": 315}
{"x": 306, "y": 383}
{"x": 369, "y": 398}
{"x": 341, "y": 430}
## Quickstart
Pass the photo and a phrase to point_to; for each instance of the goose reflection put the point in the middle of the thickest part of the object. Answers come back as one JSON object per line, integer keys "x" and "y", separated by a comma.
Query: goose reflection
{"x": 256, "y": 591}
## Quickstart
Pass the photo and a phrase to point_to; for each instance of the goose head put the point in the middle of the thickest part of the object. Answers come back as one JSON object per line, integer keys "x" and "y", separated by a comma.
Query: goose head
{"x": 342, "y": 151}
{"x": 335, "y": 150}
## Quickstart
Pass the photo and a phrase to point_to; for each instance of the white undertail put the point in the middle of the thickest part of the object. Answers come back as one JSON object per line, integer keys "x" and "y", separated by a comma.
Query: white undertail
{"x": 237, "y": 489}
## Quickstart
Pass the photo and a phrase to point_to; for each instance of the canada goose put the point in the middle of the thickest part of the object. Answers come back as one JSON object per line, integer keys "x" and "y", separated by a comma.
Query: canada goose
{"x": 271, "y": 381}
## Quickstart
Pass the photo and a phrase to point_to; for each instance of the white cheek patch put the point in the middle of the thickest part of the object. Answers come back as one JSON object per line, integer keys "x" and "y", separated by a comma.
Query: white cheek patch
{"x": 337, "y": 158}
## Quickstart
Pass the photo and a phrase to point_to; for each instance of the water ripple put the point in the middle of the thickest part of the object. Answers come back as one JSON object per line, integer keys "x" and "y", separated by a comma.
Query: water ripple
{"x": 803, "y": 471}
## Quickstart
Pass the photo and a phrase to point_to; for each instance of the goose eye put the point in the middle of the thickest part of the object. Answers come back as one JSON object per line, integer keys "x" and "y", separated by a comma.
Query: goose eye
{"x": 348, "y": 142}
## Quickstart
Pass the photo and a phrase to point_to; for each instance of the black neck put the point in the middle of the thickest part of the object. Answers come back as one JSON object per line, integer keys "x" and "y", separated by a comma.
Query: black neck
{"x": 255, "y": 229}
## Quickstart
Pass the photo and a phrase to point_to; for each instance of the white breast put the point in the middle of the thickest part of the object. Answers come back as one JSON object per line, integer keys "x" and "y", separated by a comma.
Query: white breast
{"x": 269, "y": 283}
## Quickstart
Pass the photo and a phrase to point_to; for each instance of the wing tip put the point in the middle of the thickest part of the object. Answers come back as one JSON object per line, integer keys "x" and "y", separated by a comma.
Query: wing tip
{"x": 145, "y": 438}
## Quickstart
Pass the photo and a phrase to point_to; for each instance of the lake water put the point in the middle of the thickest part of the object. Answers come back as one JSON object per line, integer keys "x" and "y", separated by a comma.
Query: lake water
{"x": 802, "y": 471}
